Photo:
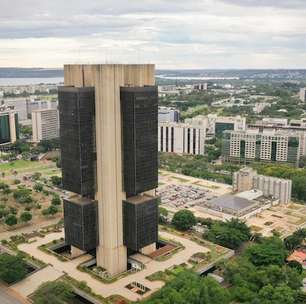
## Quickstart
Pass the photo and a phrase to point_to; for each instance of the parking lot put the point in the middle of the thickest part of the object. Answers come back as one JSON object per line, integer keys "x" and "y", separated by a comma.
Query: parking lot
{"x": 178, "y": 191}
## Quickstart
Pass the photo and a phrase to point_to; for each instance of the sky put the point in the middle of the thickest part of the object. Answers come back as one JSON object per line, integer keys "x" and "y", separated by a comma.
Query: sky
{"x": 174, "y": 34}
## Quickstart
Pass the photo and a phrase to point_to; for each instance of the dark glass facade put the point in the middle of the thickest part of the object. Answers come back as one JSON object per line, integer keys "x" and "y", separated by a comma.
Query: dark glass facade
{"x": 5, "y": 134}
{"x": 220, "y": 127}
{"x": 81, "y": 229}
{"x": 77, "y": 133}
{"x": 139, "y": 112}
{"x": 140, "y": 221}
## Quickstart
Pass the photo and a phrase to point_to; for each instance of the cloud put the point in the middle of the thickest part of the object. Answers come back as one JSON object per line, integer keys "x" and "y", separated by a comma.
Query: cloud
{"x": 171, "y": 33}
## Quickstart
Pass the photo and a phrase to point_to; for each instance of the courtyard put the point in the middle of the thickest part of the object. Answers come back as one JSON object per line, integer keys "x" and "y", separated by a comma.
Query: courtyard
{"x": 58, "y": 268}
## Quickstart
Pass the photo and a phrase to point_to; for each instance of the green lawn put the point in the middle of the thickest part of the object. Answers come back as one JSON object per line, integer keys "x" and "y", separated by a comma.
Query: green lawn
{"x": 25, "y": 165}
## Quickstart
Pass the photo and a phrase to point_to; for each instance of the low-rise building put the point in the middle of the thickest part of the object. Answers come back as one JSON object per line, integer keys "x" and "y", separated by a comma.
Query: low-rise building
{"x": 247, "y": 179}
{"x": 216, "y": 125}
{"x": 166, "y": 114}
{"x": 298, "y": 256}
{"x": 45, "y": 124}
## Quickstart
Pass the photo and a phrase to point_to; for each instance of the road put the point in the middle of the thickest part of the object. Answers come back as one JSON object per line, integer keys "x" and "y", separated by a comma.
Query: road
{"x": 9, "y": 297}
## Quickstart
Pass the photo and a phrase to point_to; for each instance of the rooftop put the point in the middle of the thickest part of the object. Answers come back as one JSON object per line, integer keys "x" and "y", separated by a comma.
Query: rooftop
{"x": 228, "y": 201}
{"x": 139, "y": 199}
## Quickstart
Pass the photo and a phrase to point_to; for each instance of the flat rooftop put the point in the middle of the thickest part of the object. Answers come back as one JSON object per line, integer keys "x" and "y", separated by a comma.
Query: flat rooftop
{"x": 139, "y": 199}
{"x": 231, "y": 202}
{"x": 77, "y": 199}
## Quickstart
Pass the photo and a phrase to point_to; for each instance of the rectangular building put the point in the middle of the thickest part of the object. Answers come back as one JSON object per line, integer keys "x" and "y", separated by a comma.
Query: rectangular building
{"x": 140, "y": 214}
{"x": 181, "y": 138}
{"x": 216, "y": 125}
{"x": 247, "y": 179}
{"x": 45, "y": 124}
{"x": 80, "y": 215}
{"x": 303, "y": 94}
{"x": 125, "y": 133}
{"x": 253, "y": 145}
{"x": 77, "y": 127}
{"x": 168, "y": 115}
{"x": 9, "y": 128}
{"x": 139, "y": 121}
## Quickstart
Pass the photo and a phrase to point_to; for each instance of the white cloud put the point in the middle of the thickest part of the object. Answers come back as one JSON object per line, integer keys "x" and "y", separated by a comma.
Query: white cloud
{"x": 173, "y": 34}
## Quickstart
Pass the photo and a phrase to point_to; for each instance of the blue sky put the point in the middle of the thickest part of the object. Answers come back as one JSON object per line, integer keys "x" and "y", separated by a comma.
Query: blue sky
{"x": 170, "y": 33}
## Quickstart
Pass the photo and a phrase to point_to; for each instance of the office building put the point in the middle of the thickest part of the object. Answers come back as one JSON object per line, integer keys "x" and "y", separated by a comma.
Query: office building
{"x": 182, "y": 138}
{"x": 9, "y": 129}
{"x": 45, "y": 124}
{"x": 113, "y": 110}
{"x": 201, "y": 86}
{"x": 33, "y": 105}
{"x": 168, "y": 115}
{"x": 216, "y": 125}
{"x": 247, "y": 179}
{"x": 269, "y": 146}
{"x": 303, "y": 94}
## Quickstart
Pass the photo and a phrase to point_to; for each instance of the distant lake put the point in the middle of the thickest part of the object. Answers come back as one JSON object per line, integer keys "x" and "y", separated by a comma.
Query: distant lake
{"x": 29, "y": 81}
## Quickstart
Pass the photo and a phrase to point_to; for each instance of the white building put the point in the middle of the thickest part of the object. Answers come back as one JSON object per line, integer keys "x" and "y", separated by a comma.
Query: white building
{"x": 269, "y": 146}
{"x": 45, "y": 124}
{"x": 247, "y": 179}
{"x": 182, "y": 138}
{"x": 216, "y": 125}
{"x": 168, "y": 114}
{"x": 303, "y": 94}
{"x": 201, "y": 86}
{"x": 33, "y": 105}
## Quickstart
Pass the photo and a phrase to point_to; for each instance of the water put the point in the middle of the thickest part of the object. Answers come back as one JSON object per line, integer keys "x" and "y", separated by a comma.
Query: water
{"x": 29, "y": 81}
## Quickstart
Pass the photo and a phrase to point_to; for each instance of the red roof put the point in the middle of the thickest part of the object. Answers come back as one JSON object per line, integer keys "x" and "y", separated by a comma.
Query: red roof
{"x": 299, "y": 256}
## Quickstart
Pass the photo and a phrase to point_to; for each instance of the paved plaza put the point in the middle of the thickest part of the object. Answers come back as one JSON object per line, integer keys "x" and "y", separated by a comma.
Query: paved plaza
{"x": 58, "y": 268}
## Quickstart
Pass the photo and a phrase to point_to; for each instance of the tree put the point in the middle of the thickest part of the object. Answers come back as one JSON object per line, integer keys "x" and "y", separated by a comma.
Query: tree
{"x": 38, "y": 187}
{"x": 57, "y": 292}
{"x": 12, "y": 268}
{"x": 183, "y": 220}
{"x": 10, "y": 220}
{"x": 56, "y": 200}
{"x": 188, "y": 287}
{"x": 230, "y": 234}
{"x": 277, "y": 295}
{"x": 36, "y": 176}
{"x": 26, "y": 216}
{"x": 23, "y": 195}
{"x": 51, "y": 210}
{"x": 271, "y": 251}
{"x": 293, "y": 241}
{"x": 56, "y": 180}
{"x": 163, "y": 214}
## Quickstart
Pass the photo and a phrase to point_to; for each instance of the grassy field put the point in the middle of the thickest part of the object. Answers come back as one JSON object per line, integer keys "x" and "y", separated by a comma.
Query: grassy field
{"x": 22, "y": 166}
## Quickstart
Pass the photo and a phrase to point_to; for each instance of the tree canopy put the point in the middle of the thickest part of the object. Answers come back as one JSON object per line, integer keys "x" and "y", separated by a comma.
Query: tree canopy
{"x": 183, "y": 220}
{"x": 53, "y": 292}
{"x": 12, "y": 268}
{"x": 230, "y": 234}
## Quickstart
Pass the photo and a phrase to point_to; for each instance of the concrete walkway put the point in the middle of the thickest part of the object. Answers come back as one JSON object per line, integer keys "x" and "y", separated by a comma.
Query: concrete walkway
{"x": 117, "y": 287}
{"x": 32, "y": 282}
{"x": 8, "y": 296}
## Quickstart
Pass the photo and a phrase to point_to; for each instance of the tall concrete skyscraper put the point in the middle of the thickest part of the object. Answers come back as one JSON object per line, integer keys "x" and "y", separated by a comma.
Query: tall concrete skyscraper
{"x": 108, "y": 129}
